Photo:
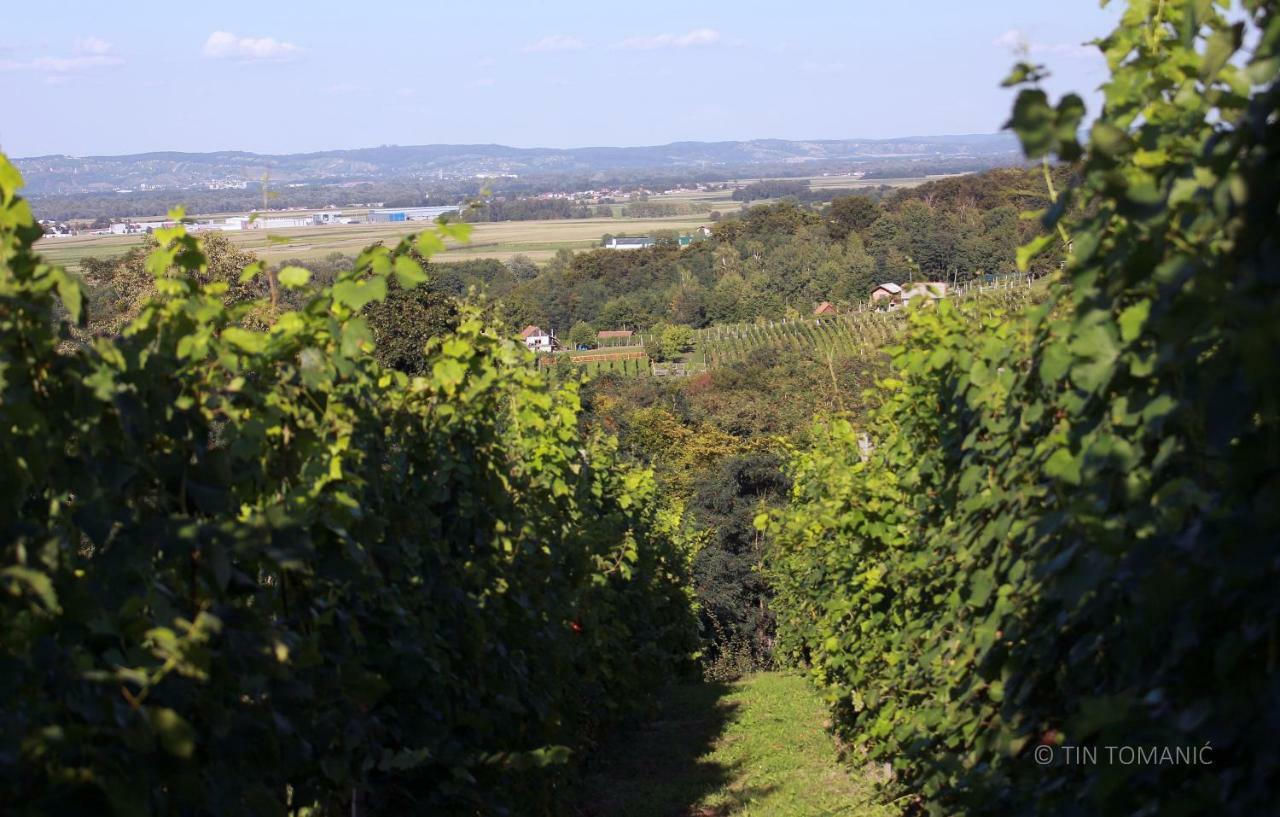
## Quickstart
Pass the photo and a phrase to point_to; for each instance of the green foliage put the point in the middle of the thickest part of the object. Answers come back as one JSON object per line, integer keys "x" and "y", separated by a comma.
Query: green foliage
{"x": 782, "y": 257}
{"x": 1062, "y": 529}
{"x": 246, "y": 569}
{"x": 851, "y": 214}
{"x": 671, "y": 342}
{"x": 733, "y": 594}
{"x": 405, "y": 320}
{"x": 524, "y": 209}
{"x": 582, "y": 334}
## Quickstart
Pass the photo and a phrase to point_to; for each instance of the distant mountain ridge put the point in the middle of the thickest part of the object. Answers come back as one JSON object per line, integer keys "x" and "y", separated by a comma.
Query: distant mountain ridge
{"x": 178, "y": 170}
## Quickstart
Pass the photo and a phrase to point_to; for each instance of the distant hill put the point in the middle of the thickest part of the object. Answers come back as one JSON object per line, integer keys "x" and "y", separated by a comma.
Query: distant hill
{"x": 174, "y": 170}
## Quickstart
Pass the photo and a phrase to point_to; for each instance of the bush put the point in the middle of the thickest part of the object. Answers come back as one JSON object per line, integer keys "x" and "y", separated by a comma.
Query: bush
{"x": 1060, "y": 532}
{"x": 670, "y": 341}
{"x": 245, "y": 571}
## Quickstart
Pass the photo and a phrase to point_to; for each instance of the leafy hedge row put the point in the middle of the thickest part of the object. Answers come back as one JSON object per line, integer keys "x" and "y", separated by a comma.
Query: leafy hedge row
{"x": 252, "y": 572}
{"x": 1062, "y": 532}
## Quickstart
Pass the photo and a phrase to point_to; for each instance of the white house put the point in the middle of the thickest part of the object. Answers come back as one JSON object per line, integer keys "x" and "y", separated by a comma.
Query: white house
{"x": 884, "y": 292}
{"x": 538, "y": 340}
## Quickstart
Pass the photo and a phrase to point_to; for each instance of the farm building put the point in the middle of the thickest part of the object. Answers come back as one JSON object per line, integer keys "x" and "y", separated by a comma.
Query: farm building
{"x": 886, "y": 292}
{"x": 614, "y": 337}
{"x": 329, "y": 217}
{"x": 391, "y": 214}
{"x": 629, "y": 242}
{"x": 825, "y": 308}
{"x": 538, "y": 340}
{"x": 277, "y": 222}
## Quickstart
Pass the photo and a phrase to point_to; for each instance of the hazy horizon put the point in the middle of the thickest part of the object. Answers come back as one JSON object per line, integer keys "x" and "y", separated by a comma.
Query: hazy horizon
{"x": 903, "y": 137}
{"x": 98, "y": 81}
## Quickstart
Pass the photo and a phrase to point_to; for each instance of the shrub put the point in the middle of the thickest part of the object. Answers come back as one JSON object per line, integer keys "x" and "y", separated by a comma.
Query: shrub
{"x": 1060, "y": 532}
{"x": 245, "y": 571}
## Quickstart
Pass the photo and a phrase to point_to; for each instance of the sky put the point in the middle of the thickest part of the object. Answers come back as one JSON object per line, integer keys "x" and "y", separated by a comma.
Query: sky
{"x": 93, "y": 78}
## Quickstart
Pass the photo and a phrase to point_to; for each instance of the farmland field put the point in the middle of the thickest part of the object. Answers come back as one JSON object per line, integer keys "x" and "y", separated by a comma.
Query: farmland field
{"x": 502, "y": 239}
{"x": 539, "y": 240}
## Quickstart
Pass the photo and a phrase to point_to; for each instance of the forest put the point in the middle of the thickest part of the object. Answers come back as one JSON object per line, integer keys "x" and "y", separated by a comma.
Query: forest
{"x": 320, "y": 539}
{"x": 784, "y": 258}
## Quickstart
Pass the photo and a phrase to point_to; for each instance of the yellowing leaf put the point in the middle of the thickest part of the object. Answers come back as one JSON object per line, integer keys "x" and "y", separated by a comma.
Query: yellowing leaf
{"x": 1132, "y": 320}
{"x": 293, "y": 277}
{"x": 1031, "y": 249}
{"x": 408, "y": 273}
{"x": 356, "y": 293}
{"x": 175, "y": 734}
{"x": 244, "y": 340}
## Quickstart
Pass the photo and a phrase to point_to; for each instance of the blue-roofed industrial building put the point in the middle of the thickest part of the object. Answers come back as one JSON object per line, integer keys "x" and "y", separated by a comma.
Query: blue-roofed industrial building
{"x": 393, "y": 214}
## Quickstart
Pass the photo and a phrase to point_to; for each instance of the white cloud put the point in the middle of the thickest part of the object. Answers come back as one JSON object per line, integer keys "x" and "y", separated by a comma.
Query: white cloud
{"x": 342, "y": 88}
{"x": 1013, "y": 39}
{"x": 224, "y": 45}
{"x": 62, "y": 65}
{"x": 92, "y": 46}
{"x": 88, "y": 52}
{"x": 556, "y": 42}
{"x": 1017, "y": 41}
{"x": 696, "y": 37}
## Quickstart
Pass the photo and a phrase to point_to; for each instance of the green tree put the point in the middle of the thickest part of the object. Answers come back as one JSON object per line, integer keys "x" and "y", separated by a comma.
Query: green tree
{"x": 522, "y": 267}
{"x": 403, "y": 322}
{"x": 582, "y": 334}
{"x": 851, "y": 214}
{"x": 672, "y": 341}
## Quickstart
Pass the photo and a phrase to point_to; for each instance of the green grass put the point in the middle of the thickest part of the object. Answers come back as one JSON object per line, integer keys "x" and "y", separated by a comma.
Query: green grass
{"x": 754, "y": 748}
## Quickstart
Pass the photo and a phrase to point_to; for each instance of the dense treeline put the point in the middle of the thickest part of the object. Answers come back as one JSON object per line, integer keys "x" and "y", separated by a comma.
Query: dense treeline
{"x": 664, "y": 209}
{"x": 1041, "y": 577}
{"x": 800, "y": 190}
{"x": 526, "y": 209}
{"x": 783, "y": 258}
{"x": 246, "y": 569}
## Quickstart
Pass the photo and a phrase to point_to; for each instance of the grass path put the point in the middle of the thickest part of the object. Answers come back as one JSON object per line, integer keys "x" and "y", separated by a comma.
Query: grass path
{"x": 753, "y": 748}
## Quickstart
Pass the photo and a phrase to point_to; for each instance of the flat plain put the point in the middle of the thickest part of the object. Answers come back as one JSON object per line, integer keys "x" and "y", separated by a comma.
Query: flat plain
{"x": 501, "y": 239}
{"x": 539, "y": 240}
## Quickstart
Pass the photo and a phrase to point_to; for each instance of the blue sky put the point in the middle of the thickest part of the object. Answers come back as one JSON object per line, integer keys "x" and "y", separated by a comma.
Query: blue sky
{"x": 103, "y": 78}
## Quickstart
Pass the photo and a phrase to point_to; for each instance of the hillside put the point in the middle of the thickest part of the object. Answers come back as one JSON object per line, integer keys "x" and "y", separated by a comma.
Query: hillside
{"x": 171, "y": 169}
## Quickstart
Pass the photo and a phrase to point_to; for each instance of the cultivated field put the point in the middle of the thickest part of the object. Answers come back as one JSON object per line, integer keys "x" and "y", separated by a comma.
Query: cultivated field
{"x": 503, "y": 239}
{"x": 823, "y": 182}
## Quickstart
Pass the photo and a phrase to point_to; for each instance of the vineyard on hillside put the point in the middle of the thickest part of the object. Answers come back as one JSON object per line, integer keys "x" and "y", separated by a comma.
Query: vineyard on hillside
{"x": 855, "y": 333}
